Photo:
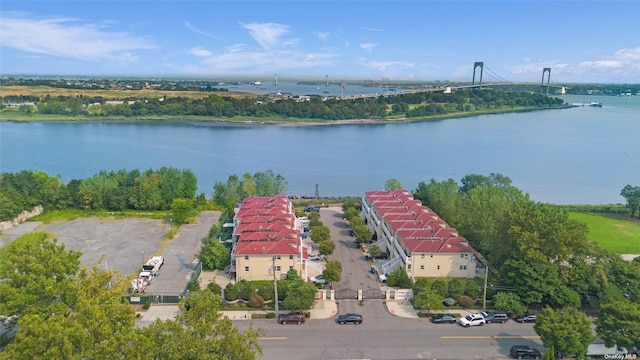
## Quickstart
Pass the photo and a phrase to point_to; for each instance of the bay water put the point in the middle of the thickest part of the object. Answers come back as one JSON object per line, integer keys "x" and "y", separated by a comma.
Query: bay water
{"x": 580, "y": 155}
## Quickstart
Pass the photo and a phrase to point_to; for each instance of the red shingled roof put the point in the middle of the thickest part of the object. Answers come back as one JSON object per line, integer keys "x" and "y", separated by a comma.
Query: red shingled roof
{"x": 280, "y": 247}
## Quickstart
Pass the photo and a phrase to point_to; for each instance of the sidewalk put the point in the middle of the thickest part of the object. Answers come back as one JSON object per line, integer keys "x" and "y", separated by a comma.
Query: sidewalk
{"x": 404, "y": 309}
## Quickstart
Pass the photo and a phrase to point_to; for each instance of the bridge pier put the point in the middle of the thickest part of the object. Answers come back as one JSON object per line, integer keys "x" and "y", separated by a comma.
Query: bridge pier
{"x": 548, "y": 72}
{"x": 477, "y": 64}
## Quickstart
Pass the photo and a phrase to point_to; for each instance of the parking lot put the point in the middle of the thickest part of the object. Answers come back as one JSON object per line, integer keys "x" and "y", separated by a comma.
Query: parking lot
{"x": 124, "y": 244}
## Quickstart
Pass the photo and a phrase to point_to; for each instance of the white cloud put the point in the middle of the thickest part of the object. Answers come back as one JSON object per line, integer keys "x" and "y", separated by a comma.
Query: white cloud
{"x": 70, "y": 38}
{"x": 200, "y": 51}
{"x": 368, "y": 46}
{"x": 198, "y": 31}
{"x": 389, "y": 68}
{"x": 267, "y": 34}
{"x": 372, "y": 29}
{"x": 321, "y": 35}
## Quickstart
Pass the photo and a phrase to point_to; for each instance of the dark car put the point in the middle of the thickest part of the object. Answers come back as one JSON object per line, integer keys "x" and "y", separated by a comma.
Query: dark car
{"x": 443, "y": 318}
{"x": 526, "y": 319}
{"x": 524, "y": 352}
{"x": 349, "y": 318}
{"x": 293, "y": 318}
{"x": 381, "y": 255}
{"x": 311, "y": 208}
{"x": 492, "y": 317}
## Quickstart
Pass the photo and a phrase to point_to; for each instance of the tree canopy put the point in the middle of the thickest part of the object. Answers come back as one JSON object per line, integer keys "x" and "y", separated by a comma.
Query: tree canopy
{"x": 568, "y": 330}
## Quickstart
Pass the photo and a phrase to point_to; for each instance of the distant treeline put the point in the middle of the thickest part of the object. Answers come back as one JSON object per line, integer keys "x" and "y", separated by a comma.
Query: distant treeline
{"x": 107, "y": 190}
{"x": 421, "y": 104}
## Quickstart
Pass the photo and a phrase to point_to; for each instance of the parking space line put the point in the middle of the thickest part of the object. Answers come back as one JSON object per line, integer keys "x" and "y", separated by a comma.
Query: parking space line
{"x": 491, "y": 337}
{"x": 465, "y": 337}
{"x": 274, "y": 338}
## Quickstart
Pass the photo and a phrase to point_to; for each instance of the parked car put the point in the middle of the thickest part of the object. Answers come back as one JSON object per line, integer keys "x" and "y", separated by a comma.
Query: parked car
{"x": 304, "y": 235}
{"x": 443, "y": 318}
{"x": 349, "y": 318}
{"x": 526, "y": 319}
{"x": 311, "y": 208}
{"x": 524, "y": 352}
{"x": 292, "y": 318}
{"x": 318, "y": 279}
{"x": 383, "y": 277}
{"x": 492, "y": 317}
{"x": 351, "y": 232}
{"x": 315, "y": 257}
{"x": 472, "y": 320}
{"x": 382, "y": 255}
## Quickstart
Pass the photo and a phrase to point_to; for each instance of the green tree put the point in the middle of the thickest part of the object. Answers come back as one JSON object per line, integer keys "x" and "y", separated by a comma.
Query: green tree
{"x": 472, "y": 289}
{"x": 392, "y": 184}
{"x": 269, "y": 184}
{"x": 332, "y": 271}
{"x": 320, "y": 233}
{"x": 181, "y": 210}
{"x": 213, "y": 254}
{"x": 327, "y": 247}
{"x": 374, "y": 250}
{"x": 361, "y": 231}
{"x": 456, "y": 288}
{"x": 440, "y": 286}
{"x": 299, "y": 295}
{"x": 428, "y": 300}
{"x": 509, "y": 302}
{"x": 568, "y": 330}
{"x": 632, "y": 195}
{"x": 619, "y": 323}
{"x": 200, "y": 331}
{"x": 399, "y": 278}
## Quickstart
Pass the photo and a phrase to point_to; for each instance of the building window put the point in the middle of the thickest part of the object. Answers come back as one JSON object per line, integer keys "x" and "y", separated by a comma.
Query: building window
{"x": 421, "y": 267}
{"x": 290, "y": 267}
{"x": 463, "y": 267}
{"x": 290, "y": 257}
{"x": 277, "y": 257}
{"x": 438, "y": 267}
{"x": 422, "y": 256}
{"x": 464, "y": 256}
{"x": 277, "y": 267}
{"x": 246, "y": 257}
{"x": 246, "y": 268}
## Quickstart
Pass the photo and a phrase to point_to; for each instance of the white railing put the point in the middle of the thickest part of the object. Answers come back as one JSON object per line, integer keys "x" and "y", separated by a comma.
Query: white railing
{"x": 388, "y": 267}
{"x": 317, "y": 268}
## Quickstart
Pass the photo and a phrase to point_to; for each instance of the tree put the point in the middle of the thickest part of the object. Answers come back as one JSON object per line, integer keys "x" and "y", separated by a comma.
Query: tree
{"x": 509, "y": 302}
{"x": 568, "y": 330}
{"x": 374, "y": 250}
{"x": 399, "y": 278}
{"x": 456, "y": 288}
{"x": 619, "y": 323}
{"x": 632, "y": 195}
{"x": 428, "y": 300}
{"x": 200, "y": 331}
{"x": 327, "y": 247}
{"x": 181, "y": 209}
{"x": 269, "y": 184}
{"x": 392, "y": 184}
{"x": 332, "y": 271}
{"x": 440, "y": 287}
{"x": 299, "y": 295}
{"x": 213, "y": 254}
{"x": 320, "y": 233}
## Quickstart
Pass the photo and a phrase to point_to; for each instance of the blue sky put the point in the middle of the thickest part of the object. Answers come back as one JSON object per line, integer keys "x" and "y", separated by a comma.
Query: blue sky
{"x": 581, "y": 41}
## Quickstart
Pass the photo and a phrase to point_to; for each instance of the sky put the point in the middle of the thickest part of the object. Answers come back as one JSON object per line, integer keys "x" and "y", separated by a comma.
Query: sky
{"x": 581, "y": 41}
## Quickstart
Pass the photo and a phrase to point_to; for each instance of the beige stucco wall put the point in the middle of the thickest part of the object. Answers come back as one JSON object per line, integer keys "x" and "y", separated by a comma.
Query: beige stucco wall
{"x": 259, "y": 266}
{"x": 449, "y": 265}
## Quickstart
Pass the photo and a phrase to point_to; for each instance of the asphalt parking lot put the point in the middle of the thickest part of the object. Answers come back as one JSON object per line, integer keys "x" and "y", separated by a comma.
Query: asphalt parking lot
{"x": 124, "y": 244}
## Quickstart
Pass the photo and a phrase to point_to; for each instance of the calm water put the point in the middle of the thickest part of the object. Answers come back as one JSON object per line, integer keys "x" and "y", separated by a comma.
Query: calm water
{"x": 581, "y": 155}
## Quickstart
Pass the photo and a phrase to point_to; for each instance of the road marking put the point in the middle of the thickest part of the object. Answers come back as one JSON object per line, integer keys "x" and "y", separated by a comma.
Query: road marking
{"x": 492, "y": 337}
{"x": 274, "y": 338}
{"x": 465, "y": 337}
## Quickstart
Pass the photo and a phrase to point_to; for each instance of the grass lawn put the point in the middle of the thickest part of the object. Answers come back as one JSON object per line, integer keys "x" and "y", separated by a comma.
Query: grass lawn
{"x": 617, "y": 235}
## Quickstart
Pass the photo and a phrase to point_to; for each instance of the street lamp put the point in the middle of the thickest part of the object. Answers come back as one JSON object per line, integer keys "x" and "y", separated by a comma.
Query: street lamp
{"x": 275, "y": 283}
{"x": 142, "y": 254}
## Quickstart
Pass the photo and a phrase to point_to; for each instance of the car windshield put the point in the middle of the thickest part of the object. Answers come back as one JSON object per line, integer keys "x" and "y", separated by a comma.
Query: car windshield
{"x": 469, "y": 317}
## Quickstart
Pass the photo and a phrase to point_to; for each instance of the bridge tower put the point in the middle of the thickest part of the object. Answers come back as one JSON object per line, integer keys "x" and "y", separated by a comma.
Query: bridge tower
{"x": 477, "y": 64}
{"x": 548, "y": 72}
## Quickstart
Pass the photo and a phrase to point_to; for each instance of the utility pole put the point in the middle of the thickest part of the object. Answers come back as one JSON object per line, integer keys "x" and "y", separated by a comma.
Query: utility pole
{"x": 275, "y": 283}
{"x": 484, "y": 297}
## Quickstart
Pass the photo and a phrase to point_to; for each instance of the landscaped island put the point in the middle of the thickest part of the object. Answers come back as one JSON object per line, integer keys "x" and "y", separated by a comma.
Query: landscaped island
{"x": 48, "y": 103}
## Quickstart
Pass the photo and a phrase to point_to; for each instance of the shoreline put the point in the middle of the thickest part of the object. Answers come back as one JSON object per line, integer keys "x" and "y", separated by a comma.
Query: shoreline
{"x": 196, "y": 121}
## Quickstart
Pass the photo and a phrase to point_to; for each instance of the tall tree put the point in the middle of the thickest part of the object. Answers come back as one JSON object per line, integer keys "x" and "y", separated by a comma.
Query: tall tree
{"x": 428, "y": 300}
{"x": 392, "y": 184}
{"x": 332, "y": 271}
{"x": 632, "y": 195}
{"x": 568, "y": 330}
{"x": 619, "y": 323}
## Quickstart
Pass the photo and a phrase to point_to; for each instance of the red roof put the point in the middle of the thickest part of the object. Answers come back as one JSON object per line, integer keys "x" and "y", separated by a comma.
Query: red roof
{"x": 417, "y": 226}
{"x": 279, "y": 247}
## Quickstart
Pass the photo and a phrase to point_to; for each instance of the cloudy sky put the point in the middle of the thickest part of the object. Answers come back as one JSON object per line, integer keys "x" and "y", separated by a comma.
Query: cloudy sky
{"x": 581, "y": 41}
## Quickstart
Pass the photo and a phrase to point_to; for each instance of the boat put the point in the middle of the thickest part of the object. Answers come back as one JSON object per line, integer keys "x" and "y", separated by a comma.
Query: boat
{"x": 595, "y": 104}
{"x": 257, "y": 82}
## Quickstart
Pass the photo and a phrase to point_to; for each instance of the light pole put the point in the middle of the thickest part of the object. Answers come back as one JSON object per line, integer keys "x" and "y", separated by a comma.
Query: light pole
{"x": 142, "y": 254}
{"x": 484, "y": 297}
{"x": 275, "y": 283}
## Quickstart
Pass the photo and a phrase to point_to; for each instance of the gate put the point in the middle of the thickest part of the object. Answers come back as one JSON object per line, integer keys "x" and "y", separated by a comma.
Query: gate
{"x": 374, "y": 294}
{"x": 346, "y": 294}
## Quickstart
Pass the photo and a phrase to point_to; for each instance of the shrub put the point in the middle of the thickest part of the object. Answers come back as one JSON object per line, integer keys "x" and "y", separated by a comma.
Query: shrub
{"x": 231, "y": 292}
{"x": 256, "y": 301}
{"x": 456, "y": 288}
{"x": 472, "y": 289}
{"x": 266, "y": 291}
{"x": 466, "y": 302}
{"x": 449, "y": 302}
{"x": 271, "y": 315}
{"x": 146, "y": 305}
{"x": 399, "y": 278}
{"x": 420, "y": 285}
{"x": 440, "y": 286}
{"x": 214, "y": 288}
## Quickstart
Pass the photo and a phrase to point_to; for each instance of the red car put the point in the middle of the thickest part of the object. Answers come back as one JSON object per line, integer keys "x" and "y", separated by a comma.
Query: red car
{"x": 293, "y": 318}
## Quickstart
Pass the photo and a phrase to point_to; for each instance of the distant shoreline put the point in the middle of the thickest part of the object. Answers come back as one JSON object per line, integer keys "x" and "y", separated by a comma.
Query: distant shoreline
{"x": 207, "y": 121}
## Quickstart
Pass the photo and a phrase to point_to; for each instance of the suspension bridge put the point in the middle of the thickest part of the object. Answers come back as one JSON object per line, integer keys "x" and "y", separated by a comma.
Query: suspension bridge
{"x": 545, "y": 86}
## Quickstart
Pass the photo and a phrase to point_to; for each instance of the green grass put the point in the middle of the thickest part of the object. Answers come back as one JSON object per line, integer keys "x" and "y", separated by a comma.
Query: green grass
{"x": 70, "y": 214}
{"x": 618, "y": 235}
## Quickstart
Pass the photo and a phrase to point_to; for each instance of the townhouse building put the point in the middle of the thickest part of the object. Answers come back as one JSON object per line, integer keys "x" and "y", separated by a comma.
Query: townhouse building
{"x": 415, "y": 238}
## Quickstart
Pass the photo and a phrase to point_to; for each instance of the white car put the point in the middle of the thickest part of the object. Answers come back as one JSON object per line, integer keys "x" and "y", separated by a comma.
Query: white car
{"x": 318, "y": 279}
{"x": 472, "y": 320}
